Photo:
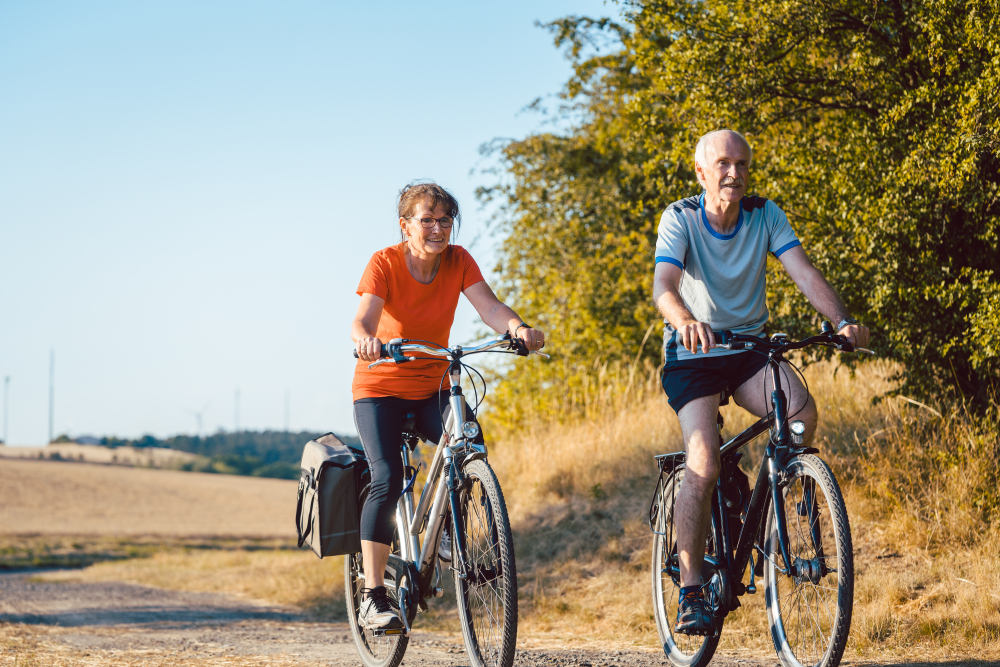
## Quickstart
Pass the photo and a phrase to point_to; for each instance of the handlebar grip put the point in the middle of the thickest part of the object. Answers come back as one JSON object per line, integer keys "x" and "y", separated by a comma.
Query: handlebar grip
{"x": 723, "y": 337}
{"x": 385, "y": 352}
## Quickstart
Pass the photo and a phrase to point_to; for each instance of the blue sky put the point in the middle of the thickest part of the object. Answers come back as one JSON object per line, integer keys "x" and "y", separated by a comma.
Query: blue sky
{"x": 189, "y": 192}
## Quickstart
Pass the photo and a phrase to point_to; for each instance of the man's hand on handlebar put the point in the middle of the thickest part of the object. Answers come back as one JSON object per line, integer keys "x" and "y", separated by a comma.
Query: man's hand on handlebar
{"x": 857, "y": 334}
{"x": 695, "y": 333}
{"x": 368, "y": 349}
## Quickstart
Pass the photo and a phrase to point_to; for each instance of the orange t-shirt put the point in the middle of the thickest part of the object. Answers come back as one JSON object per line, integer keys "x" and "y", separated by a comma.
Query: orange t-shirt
{"x": 412, "y": 310}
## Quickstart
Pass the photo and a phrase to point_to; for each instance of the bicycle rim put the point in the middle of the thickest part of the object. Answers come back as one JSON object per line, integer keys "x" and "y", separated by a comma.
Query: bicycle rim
{"x": 810, "y": 614}
{"x": 375, "y": 651}
{"x": 487, "y": 596}
{"x": 682, "y": 650}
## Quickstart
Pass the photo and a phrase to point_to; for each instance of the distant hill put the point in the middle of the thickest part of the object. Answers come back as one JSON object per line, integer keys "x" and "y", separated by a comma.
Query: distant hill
{"x": 257, "y": 453}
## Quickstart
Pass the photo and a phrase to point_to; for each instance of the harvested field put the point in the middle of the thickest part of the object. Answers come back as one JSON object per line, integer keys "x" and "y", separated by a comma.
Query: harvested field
{"x": 150, "y": 457}
{"x": 58, "y": 498}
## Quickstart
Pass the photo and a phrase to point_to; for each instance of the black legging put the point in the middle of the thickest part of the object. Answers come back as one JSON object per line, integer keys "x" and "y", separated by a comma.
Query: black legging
{"x": 380, "y": 425}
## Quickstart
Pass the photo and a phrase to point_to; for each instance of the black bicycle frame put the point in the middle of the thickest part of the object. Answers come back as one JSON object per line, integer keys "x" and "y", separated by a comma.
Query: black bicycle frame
{"x": 770, "y": 477}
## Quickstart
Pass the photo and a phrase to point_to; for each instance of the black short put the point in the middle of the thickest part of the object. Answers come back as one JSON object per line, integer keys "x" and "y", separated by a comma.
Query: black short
{"x": 686, "y": 380}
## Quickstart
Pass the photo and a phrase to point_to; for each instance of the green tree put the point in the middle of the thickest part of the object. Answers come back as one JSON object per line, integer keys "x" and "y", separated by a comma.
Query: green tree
{"x": 875, "y": 125}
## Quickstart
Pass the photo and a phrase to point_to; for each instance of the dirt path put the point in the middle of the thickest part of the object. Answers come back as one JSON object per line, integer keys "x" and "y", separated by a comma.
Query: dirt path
{"x": 121, "y": 624}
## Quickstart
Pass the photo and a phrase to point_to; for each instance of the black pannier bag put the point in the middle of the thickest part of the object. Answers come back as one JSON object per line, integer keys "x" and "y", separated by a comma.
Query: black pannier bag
{"x": 327, "y": 516}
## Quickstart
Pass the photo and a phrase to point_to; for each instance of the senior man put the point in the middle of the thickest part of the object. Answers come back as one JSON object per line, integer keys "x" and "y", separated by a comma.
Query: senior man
{"x": 711, "y": 259}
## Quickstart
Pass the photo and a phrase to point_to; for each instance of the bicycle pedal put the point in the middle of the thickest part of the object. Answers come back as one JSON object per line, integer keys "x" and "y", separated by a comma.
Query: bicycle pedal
{"x": 389, "y": 633}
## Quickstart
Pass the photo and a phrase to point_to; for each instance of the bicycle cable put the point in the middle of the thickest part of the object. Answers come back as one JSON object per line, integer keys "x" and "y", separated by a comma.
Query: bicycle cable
{"x": 785, "y": 375}
{"x": 479, "y": 401}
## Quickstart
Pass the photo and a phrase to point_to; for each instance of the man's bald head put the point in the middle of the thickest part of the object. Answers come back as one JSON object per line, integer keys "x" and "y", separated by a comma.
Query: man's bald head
{"x": 714, "y": 139}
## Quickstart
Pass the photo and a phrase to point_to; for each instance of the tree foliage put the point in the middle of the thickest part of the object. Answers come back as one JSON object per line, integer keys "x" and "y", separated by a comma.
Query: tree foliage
{"x": 875, "y": 126}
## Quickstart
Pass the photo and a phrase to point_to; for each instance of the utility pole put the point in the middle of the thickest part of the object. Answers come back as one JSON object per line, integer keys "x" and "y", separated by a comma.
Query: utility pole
{"x": 237, "y": 420}
{"x": 6, "y": 404}
{"x": 287, "y": 410}
{"x": 52, "y": 393}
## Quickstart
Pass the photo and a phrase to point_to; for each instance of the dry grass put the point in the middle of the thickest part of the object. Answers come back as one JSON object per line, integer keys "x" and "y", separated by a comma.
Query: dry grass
{"x": 928, "y": 579}
{"x": 57, "y": 498}
{"x": 284, "y": 577}
{"x": 923, "y": 515}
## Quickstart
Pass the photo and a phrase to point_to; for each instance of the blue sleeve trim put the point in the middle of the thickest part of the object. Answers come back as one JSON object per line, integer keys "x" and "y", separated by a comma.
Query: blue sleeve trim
{"x": 787, "y": 246}
{"x": 670, "y": 260}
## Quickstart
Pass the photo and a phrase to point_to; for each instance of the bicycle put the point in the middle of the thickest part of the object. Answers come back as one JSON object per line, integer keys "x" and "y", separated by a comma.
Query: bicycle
{"x": 808, "y": 572}
{"x": 461, "y": 491}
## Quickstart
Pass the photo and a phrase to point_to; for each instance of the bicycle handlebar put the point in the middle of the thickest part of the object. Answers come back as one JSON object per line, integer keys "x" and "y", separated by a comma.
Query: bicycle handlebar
{"x": 395, "y": 349}
{"x": 728, "y": 340}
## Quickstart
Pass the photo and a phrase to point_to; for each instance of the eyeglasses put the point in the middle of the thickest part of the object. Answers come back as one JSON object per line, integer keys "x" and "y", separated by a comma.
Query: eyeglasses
{"x": 428, "y": 223}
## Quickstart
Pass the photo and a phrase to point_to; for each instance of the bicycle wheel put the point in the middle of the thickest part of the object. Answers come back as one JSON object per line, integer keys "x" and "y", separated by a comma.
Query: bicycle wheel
{"x": 810, "y": 613}
{"x": 487, "y": 596}
{"x": 375, "y": 650}
{"x": 682, "y": 650}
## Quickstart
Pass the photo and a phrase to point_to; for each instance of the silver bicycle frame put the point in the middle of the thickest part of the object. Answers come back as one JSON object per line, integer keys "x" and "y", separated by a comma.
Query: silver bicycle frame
{"x": 432, "y": 508}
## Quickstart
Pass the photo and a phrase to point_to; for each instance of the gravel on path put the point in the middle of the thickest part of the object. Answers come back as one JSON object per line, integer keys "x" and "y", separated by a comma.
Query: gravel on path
{"x": 72, "y": 623}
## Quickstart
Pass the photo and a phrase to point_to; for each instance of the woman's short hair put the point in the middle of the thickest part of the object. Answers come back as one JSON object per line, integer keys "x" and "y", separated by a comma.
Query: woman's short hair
{"x": 429, "y": 191}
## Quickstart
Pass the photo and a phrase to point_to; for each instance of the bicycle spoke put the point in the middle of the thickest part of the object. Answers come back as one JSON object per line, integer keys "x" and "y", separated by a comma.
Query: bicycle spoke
{"x": 810, "y": 609}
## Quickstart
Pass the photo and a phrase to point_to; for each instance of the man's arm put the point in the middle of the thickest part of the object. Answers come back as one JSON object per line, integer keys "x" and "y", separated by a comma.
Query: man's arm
{"x": 821, "y": 294}
{"x": 667, "y": 297}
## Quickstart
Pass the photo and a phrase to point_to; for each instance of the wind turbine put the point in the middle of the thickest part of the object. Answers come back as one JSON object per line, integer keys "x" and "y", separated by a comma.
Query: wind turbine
{"x": 198, "y": 415}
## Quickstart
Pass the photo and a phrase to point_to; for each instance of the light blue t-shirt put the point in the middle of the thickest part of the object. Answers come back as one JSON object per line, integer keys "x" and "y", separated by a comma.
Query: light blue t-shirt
{"x": 724, "y": 279}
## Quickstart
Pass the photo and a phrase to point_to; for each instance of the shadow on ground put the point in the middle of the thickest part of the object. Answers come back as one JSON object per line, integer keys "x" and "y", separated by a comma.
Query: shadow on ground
{"x": 101, "y": 604}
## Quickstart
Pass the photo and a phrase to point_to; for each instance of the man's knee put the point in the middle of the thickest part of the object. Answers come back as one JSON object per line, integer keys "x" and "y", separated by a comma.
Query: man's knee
{"x": 702, "y": 463}
{"x": 810, "y": 417}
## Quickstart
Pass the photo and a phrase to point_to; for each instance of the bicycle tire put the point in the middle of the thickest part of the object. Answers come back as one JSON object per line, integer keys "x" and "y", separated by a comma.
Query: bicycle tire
{"x": 487, "y": 607}
{"x": 375, "y": 651}
{"x": 810, "y": 614}
{"x": 681, "y": 650}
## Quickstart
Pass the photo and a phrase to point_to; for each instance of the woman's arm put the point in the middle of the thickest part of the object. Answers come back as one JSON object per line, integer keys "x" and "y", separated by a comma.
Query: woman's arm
{"x": 365, "y": 326}
{"x": 500, "y": 317}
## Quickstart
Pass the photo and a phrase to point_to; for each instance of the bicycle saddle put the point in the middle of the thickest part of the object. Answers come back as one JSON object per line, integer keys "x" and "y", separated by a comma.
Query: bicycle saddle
{"x": 410, "y": 435}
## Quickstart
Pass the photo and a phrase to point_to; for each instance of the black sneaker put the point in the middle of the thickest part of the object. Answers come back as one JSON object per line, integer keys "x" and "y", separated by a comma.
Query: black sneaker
{"x": 378, "y": 611}
{"x": 693, "y": 618}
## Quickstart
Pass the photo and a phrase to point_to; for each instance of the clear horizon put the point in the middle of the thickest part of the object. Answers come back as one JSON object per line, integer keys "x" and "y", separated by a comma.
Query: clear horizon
{"x": 190, "y": 192}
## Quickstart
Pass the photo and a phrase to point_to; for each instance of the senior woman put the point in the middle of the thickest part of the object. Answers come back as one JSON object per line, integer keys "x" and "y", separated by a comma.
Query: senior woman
{"x": 410, "y": 290}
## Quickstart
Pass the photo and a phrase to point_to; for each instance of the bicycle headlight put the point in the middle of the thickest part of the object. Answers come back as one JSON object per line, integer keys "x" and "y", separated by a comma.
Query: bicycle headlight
{"x": 797, "y": 428}
{"x": 470, "y": 430}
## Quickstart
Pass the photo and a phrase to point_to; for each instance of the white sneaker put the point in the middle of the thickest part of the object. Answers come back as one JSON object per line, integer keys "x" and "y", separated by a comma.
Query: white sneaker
{"x": 378, "y": 611}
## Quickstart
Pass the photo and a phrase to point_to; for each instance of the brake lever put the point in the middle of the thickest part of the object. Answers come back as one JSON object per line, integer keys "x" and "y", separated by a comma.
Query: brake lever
{"x": 846, "y": 346}
{"x": 390, "y": 360}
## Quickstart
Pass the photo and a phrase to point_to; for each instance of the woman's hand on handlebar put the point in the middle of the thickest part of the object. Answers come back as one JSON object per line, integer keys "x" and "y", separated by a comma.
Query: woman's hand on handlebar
{"x": 533, "y": 339}
{"x": 368, "y": 349}
{"x": 694, "y": 333}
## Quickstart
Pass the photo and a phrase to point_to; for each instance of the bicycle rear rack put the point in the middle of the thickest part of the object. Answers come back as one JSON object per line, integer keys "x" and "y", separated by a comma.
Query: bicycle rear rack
{"x": 668, "y": 465}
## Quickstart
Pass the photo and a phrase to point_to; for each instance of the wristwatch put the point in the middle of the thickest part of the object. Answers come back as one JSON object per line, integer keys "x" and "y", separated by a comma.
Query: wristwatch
{"x": 847, "y": 321}
{"x": 522, "y": 324}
